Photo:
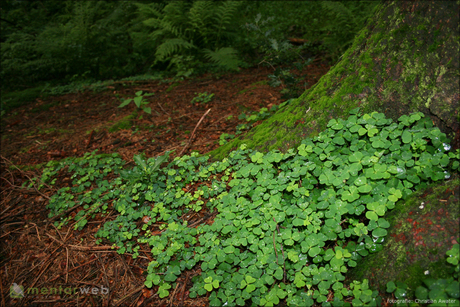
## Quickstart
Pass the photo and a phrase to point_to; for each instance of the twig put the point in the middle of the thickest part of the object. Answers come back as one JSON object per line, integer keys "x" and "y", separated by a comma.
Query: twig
{"x": 93, "y": 248}
{"x": 82, "y": 265}
{"x": 196, "y": 223}
{"x": 90, "y": 138}
{"x": 67, "y": 266}
{"x": 83, "y": 248}
{"x": 36, "y": 228}
{"x": 44, "y": 267}
{"x": 117, "y": 303}
{"x": 6, "y": 198}
{"x": 103, "y": 269}
{"x": 174, "y": 293}
{"x": 185, "y": 286}
{"x": 193, "y": 133}
{"x": 162, "y": 108}
{"x": 13, "y": 205}
{"x": 33, "y": 183}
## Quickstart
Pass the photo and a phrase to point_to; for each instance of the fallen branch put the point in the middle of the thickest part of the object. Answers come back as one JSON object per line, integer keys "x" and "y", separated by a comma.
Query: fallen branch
{"x": 193, "y": 133}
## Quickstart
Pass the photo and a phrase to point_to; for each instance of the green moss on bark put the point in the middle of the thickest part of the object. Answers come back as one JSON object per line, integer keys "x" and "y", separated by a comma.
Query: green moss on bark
{"x": 423, "y": 228}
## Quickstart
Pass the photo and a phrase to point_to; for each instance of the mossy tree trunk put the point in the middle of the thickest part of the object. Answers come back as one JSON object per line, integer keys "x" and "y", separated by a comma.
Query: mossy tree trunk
{"x": 404, "y": 60}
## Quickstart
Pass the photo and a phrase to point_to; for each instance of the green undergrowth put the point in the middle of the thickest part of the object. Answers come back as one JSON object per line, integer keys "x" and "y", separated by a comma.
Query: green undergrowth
{"x": 251, "y": 119}
{"x": 415, "y": 247}
{"x": 125, "y": 123}
{"x": 435, "y": 292}
{"x": 287, "y": 226}
{"x": 16, "y": 99}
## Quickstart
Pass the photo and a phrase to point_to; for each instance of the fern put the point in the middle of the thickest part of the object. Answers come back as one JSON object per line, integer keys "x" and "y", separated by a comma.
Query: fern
{"x": 172, "y": 46}
{"x": 224, "y": 15}
{"x": 200, "y": 15}
{"x": 341, "y": 31}
{"x": 148, "y": 12}
{"x": 188, "y": 33}
{"x": 224, "y": 57}
{"x": 175, "y": 18}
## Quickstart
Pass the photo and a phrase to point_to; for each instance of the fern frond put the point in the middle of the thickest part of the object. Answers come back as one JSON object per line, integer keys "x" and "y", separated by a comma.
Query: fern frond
{"x": 169, "y": 21}
{"x": 225, "y": 13}
{"x": 151, "y": 14}
{"x": 147, "y": 11}
{"x": 167, "y": 29}
{"x": 171, "y": 46}
{"x": 223, "y": 18}
{"x": 224, "y": 57}
{"x": 175, "y": 17}
{"x": 341, "y": 32}
{"x": 341, "y": 14}
{"x": 200, "y": 14}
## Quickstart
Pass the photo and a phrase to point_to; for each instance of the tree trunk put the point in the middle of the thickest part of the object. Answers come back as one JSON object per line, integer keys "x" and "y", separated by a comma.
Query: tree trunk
{"x": 405, "y": 60}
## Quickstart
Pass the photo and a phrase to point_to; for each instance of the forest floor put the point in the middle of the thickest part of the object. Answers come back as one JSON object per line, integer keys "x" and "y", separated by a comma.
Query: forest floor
{"x": 55, "y": 262}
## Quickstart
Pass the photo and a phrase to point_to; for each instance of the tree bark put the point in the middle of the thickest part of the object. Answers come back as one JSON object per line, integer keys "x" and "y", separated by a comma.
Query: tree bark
{"x": 405, "y": 60}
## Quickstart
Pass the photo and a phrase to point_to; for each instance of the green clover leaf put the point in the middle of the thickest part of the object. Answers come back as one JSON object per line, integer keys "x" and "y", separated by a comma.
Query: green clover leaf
{"x": 257, "y": 157}
{"x": 163, "y": 290}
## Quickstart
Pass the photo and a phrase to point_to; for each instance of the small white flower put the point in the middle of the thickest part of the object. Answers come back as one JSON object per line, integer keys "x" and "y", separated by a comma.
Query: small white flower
{"x": 422, "y": 205}
{"x": 427, "y": 272}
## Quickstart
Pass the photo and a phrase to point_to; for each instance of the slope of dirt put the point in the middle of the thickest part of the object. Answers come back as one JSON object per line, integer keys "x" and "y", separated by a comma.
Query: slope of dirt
{"x": 63, "y": 267}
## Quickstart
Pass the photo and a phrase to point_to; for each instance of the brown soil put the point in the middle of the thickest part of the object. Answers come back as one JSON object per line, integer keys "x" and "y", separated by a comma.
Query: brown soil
{"x": 37, "y": 255}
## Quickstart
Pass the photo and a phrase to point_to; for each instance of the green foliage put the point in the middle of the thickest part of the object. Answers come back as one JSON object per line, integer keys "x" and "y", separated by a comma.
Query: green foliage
{"x": 334, "y": 27}
{"x": 78, "y": 41}
{"x": 327, "y": 26}
{"x": 84, "y": 39}
{"x": 89, "y": 188}
{"x": 288, "y": 226}
{"x": 138, "y": 101}
{"x": 436, "y": 292}
{"x": 80, "y": 86}
{"x": 223, "y": 139}
{"x": 254, "y": 117}
{"x": 77, "y": 87}
{"x": 456, "y": 158}
{"x": 125, "y": 123}
{"x": 14, "y": 99}
{"x": 363, "y": 296}
{"x": 202, "y": 98}
{"x": 225, "y": 57}
{"x": 278, "y": 52}
{"x": 454, "y": 256}
{"x": 340, "y": 21}
{"x": 191, "y": 32}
